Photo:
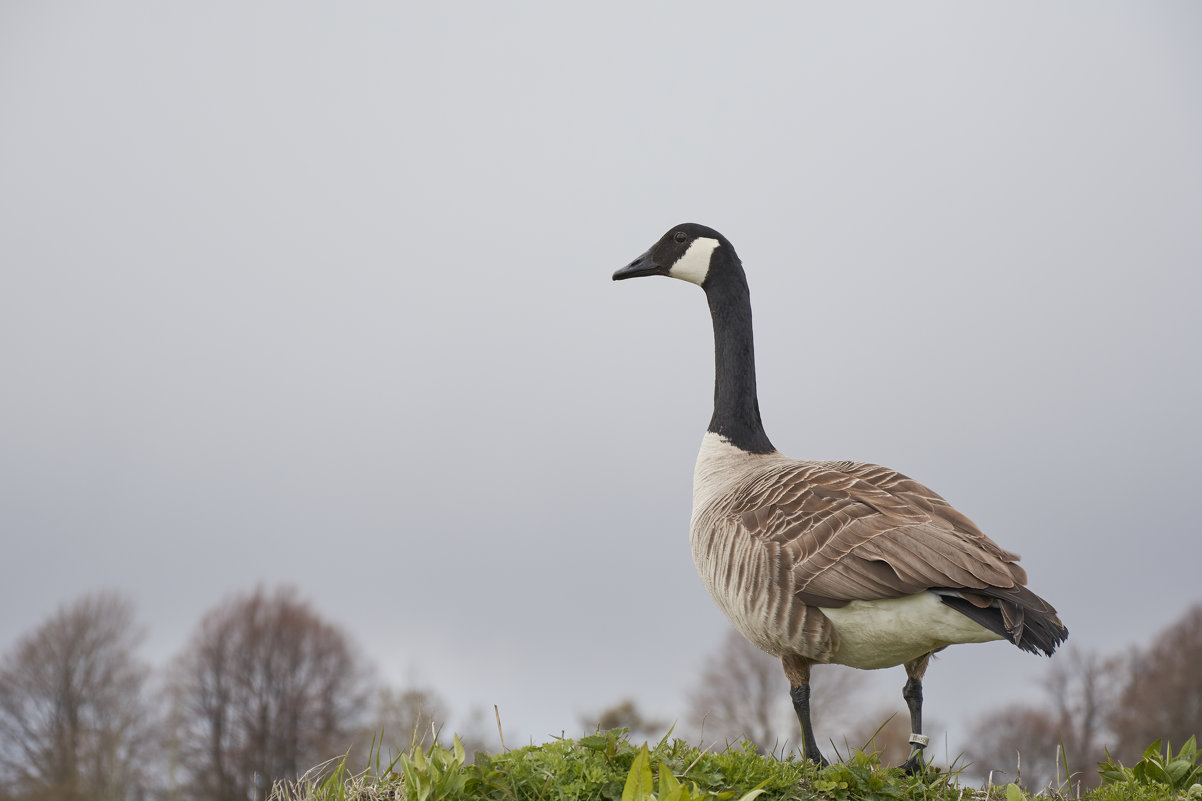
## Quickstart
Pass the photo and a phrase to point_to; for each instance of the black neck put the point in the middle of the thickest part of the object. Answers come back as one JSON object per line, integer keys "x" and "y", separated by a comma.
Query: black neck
{"x": 736, "y": 407}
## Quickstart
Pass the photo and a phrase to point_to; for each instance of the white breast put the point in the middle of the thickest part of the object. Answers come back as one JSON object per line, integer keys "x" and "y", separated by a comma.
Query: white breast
{"x": 749, "y": 580}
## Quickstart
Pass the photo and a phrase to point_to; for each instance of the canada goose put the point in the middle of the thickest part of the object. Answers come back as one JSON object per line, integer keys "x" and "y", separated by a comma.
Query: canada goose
{"x": 830, "y": 562}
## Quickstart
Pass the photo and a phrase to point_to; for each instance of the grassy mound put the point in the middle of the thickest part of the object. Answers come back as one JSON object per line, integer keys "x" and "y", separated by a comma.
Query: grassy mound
{"x": 608, "y": 767}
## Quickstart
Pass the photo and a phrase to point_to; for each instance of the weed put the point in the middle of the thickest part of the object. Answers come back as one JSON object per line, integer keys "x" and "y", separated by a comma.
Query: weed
{"x": 1179, "y": 775}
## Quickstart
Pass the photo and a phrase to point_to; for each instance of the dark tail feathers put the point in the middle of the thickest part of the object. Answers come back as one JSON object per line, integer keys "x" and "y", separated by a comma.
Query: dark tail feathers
{"x": 1017, "y": 614}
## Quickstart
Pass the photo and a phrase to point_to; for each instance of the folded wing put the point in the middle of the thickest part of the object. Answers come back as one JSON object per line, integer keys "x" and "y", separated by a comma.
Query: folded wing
{"x": 856, "y": 531}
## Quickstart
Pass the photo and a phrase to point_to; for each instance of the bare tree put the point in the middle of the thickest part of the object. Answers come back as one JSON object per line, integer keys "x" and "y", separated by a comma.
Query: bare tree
{"x": 1081, "y": 687}
{"x": 401, "y": 719}
{"x": 743, "y": 694}
{"x": 74, "y": 723}
{"x": 1161, "y": 698}
{"x": 1095, "y": 703}
{"x": 1021, "y": 738}
{"x": 1069, "y": 728}
{"x": 264, "y": 691}
{"x": 625, "y": 714}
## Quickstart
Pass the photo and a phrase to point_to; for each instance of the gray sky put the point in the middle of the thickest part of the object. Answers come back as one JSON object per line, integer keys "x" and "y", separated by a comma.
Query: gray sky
{"x": 320, "y": 294}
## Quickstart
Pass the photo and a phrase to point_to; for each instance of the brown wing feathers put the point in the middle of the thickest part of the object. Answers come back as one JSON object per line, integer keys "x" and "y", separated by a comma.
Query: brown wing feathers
{"x": 857, "y": 531}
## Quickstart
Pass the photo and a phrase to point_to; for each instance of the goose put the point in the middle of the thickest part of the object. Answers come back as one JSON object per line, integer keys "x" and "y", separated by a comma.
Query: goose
{"x": 830, "y": 562}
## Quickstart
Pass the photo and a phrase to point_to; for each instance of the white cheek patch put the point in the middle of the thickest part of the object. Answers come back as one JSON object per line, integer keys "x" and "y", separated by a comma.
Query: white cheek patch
{"x": 694, "y": 265}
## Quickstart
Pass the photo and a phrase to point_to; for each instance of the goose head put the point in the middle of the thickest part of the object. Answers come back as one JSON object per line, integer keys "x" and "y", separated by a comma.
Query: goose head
{"x": 688, "y": 251}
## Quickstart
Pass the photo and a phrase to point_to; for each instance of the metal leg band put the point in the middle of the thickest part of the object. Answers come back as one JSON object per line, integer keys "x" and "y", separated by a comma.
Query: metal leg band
{"x": 920, "y": 740}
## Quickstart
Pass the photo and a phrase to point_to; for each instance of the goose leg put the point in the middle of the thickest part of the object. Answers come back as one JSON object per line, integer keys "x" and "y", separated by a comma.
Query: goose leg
{"x": 797, "y": 669}
{"x": 912, "y": 692}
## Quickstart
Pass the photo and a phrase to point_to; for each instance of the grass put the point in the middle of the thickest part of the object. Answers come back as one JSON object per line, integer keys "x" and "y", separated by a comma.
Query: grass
{"x": 607, "y": 767}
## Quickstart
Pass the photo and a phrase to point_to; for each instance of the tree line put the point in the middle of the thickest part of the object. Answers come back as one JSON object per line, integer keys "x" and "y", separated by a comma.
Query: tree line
{"x": 1094, "y": 704}
{"x": 266, "y": 689}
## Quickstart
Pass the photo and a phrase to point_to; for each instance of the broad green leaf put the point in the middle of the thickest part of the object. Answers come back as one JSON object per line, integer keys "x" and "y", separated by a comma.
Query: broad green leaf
{"x": 1013, "y": 793}
{"x": 460, "y": 754}
{"x": 667, "y": 782}
{"x": 407, "y": 771}
{"x": 1189, "y": 751}
{"x": 1177, "y": 770}
{"x": 749, "y": 796}
{"x": 1156, "y": 772}
{"x": 679, "y": 794}
{"x": 640, "y": 784}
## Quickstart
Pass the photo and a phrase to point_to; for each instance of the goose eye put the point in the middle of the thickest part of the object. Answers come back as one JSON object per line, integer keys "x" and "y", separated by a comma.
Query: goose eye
{"x": 680, "y": 236}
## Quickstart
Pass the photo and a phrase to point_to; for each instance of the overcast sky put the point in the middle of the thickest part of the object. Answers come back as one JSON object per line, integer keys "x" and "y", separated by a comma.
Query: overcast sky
{"x": 320, "y": 294}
